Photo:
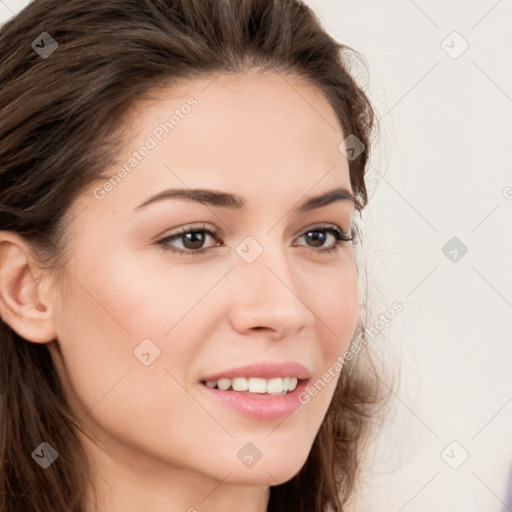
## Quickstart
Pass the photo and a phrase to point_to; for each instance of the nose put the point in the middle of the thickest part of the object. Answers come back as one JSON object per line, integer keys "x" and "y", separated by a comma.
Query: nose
{"x": 268, "y": 295}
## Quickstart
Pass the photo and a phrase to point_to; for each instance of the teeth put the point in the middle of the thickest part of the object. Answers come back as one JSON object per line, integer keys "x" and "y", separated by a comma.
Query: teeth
{"x": 224, "y": 384}
{"x": 240, "y": 384}
{"x": 256, "y": 385}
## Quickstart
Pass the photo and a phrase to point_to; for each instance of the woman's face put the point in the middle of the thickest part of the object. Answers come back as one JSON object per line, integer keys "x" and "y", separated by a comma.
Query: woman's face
{"x": 140, "y": 327}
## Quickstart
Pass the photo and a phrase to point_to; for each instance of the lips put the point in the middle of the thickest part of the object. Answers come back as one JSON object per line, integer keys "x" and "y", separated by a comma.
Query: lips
{"x": 263, "y": 370}
{"x": 261, "y": 407}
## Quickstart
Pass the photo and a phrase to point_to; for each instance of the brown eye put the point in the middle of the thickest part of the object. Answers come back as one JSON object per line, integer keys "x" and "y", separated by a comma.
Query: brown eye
{"x": 319, "y": 240}
{"x": 193, "y": 240}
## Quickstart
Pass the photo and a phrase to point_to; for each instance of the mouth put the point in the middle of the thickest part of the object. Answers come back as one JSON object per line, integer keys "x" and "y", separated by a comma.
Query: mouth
{"x": 262, "y": 390}
{"x": 260, "y": 405}
{"x": 256, "y": 386}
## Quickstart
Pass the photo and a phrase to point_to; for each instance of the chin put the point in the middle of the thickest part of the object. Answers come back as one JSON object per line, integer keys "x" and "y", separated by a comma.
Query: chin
{"x": 267, "y": 473}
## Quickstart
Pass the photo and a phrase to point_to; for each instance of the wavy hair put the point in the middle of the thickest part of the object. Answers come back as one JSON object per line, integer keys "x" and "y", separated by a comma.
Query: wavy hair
{"x": 61, "y": 128}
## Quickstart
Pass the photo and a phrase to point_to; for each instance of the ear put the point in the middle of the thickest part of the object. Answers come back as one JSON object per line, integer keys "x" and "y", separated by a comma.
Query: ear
{"x": 23, "y": 304}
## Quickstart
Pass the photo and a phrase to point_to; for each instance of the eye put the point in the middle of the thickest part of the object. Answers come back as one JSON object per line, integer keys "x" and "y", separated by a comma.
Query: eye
{"x": 335, "y": 232}
{"x": 194, "y": 238}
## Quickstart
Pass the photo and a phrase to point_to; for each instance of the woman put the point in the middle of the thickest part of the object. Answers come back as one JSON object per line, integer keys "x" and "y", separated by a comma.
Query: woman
{"x": 180, "y": 184}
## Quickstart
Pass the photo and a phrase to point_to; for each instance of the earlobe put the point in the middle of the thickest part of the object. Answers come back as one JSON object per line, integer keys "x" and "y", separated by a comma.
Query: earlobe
{"x": 21, "y": 305}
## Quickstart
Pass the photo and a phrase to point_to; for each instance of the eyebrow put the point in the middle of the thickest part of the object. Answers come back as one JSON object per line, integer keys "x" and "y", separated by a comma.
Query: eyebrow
{"x": 234, "y": 202}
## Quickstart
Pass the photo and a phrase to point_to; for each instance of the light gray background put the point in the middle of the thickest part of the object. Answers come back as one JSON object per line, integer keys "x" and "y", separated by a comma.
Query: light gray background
{"x": 441, "y": 170}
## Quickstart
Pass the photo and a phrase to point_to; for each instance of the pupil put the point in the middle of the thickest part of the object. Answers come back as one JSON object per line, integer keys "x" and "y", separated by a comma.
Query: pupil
{"x": 317, "y": 238}
{"x": 196, "y": 242}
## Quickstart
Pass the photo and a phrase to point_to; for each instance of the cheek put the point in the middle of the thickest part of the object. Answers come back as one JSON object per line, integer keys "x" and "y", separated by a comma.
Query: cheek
{"x": 336, "y": 307}
{"x": 113, "y": 307}
{"x": 100, "y": 324}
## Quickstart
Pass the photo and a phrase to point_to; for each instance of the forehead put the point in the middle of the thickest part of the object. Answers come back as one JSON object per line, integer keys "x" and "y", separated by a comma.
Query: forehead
{"x": 245, "y": 130}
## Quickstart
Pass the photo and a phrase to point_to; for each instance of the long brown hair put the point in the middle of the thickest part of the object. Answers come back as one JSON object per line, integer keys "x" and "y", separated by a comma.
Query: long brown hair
{"x": 61, "y": 126}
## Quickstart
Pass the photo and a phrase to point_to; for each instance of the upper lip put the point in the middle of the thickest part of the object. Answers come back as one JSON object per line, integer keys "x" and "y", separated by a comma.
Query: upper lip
{"x": 264, "y": 371}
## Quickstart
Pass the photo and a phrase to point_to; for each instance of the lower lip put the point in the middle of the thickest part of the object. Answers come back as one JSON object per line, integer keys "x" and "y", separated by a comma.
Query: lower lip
{"x": 259, "y": 406}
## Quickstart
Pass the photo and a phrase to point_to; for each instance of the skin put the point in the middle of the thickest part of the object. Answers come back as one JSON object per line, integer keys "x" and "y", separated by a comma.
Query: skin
{"x": 161, "y": 444}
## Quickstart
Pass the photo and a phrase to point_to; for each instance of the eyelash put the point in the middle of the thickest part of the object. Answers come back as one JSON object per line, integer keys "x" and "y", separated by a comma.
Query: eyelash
{"x": 332, "y": 229}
